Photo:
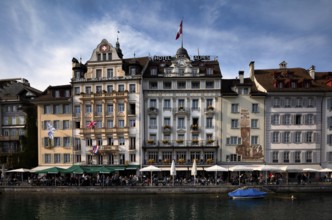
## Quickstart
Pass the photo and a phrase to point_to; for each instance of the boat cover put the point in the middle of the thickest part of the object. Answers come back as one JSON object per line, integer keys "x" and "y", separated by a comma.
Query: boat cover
{"x": 250, "y": 192}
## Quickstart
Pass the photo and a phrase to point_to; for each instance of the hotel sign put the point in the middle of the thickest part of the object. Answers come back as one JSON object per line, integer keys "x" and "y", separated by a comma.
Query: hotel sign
{"x": 169, "y": 58}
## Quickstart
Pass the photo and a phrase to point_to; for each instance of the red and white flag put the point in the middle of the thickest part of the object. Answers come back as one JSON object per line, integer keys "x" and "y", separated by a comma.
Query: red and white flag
{"x": 178, "y": 34}
{"x": 92, "y": 124}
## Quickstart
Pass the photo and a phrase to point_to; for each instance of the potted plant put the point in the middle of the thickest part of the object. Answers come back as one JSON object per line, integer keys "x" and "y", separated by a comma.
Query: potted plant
{"x": 181, "y": 161}
{"x": 151, "y": 161}
{"x": 167, "y": 126}
{"x": 209, "y": 161}
{"x": 166, "y": 161}
{"x": 210, "y": 107}
{"x": 194, "y": 141}
{"x": 165, "y": 141}
{"x": 179, "y": 141}
{"x": 210, "y": 141}
{"x": 150, "y": 141}
{"x": 194, "y": 126}
{"x": 181, "y": 108}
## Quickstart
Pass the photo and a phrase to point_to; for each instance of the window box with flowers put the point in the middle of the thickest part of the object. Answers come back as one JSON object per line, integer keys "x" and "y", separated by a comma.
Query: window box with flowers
{"x": 195, "y": 141}
{"x": 210, "y": 141}
{"x": 150, "y": 141}
{"x": 166, "y": 161}
{"x": 165, "y": 141}
{"x": 210, "y": 108}
{"x": 151, "y": 161}
{"x": 179, "y": 141}
{"x": 167, "y": 127}
{"x": 209, "y": 161}
{"x": 181, "y": 108}
{"x": 181, "y": 161}
{"x": 194, "y": 127}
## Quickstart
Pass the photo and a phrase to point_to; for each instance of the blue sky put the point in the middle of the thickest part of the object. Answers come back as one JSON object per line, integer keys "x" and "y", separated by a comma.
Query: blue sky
{"x": 39, "y": 38}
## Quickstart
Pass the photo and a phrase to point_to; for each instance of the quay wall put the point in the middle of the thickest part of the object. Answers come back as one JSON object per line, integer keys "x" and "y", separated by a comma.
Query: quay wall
{"x": 223, "y": 189}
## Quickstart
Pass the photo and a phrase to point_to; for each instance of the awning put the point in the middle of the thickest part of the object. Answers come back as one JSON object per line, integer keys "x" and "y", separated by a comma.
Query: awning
{"x": 33, "y": 170}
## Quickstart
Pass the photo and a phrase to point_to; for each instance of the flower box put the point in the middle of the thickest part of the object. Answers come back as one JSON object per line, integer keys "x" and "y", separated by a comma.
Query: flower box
{"x": 165, "y": 141}
{"x": 209, "y": 161}
{"x": 179, "y": 141}
{"x": 181, "y": 161}
{"x": 151, "y": 161}
{"x": 210, "y": 107}
{"x": 210, "y": 141}
{"x": 150, "y": 141}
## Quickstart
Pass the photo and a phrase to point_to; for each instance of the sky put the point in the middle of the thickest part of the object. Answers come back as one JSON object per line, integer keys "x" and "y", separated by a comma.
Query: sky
{"x": 39, "y": 38}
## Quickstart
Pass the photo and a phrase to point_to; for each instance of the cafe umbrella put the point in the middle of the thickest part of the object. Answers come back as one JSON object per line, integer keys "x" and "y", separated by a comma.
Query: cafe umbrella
{"x": 151, "y": 169}
{"x": 173, "y": 170}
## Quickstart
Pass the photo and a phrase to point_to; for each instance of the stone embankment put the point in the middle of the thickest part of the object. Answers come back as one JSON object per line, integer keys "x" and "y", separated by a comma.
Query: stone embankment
{"x": 162, "y": 189}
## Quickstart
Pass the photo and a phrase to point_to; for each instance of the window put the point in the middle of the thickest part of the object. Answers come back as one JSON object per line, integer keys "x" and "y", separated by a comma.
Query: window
{"x": 310, "y": 119}
{"x": 77, "y": 90}
{"x": 209, "y": 71}
{"x": 233, "y": 140}
{"x": 65, "y": 125}
{"x": 195, "y": 104}
{"x": 235, "y": 108}
{"x": 153, "y": 85}
{"x": 275, "y": 137}
{"x": 47, "y": 109}
{"x": 121, "y": 88}
{"x": 110, "y": 123}
{"x": 275, "y": 156}
{"x": 255, "y": 108}
{"x": 297, "y": 157}
{"x": 66, "y": 158}
{"x": 110, "y": 141}
{"x": 88, "y": 108}
{"x": 98, "y": 89}
{"x": 109, "y": 108}
{"x": 209, "y": 103}
{"x": 153, "y": 123}
{"x": 286, "y": 138}
{"x": 109, "y": 73}
{"x": 297, "y": 137}
{"x": 280, "y": 85}
{"x": 121, "y": 123}
{"x": 310, "y": 103}
{"x": 181, "y": 102}
{"x": 153, "y": 71}
{"x": 56, "y": 124}
{"x": 77, "y": 110}
{"x": 329, "y": 139}
{"x": 167, "y": 104}
{"x": 209, "y": 84}
{"x": 46, "y": 142}
{"x": 209, "y": 122}
{"x": 57, "y": 142}
{"x": 57, "y": 93}
{"x": 287, "y": 103}
{"x": 293, "y": 84}
{"x": 132, "y": 88}
{"x": 181, "y": 85}
{"x": 234, "y": 123}
{"x": 89, "y": 142}
{"x": 254, "y": 123}
{"x": 57, "y": 109}
{"x": 308, "y": 156}
{"x": 195, "y": 85}
{"x": 99, "y": 124}
{"x": 181, "y": 124}
{"x": 109, "y": 56}
{"x": 47, "y": 158}
{"x": 120, "y": 107}
{"x": 309, "y": 137}
{"x": 167, "y": 85}
{"x": 298, "y": 103}
{"x": 133, "y": 71}
{"x": 167, "y": 121}
{"x": 99, "y": 109}
{"x": 275, "y": 119}
{"x": 132, "y": 157}
{"x": 153, "y": 103}
{"x": 121, "y": 141}
{"x": 286, "y": 157}
{"x": 88, "y": 89}
{"x": 66, "y": 109}
{"x": 298, "y": 119}
{"x": 66, "y": 141}
{"x": 132, "y": 143}
{"x": 254, "y": 140}
{"x": 276, "y": 103}
{"x": 109, "y": 88}
{"x": 132, "y": 123}
{"x": 287, "y": 119}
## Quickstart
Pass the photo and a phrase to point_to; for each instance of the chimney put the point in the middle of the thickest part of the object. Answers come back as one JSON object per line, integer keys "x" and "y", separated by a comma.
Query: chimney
{"x": 241, "y": 74}
{"x": 252, "y": 70}
{"x": 283, "y": 65}
{"x": 312, "y": 72}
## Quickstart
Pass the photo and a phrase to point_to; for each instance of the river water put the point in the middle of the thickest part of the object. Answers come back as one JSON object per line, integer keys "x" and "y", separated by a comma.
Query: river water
{"x": 159, "y": 207}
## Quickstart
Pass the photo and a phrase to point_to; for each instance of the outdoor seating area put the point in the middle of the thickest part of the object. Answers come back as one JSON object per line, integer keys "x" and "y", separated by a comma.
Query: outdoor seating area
{"x": 77, "y": 175}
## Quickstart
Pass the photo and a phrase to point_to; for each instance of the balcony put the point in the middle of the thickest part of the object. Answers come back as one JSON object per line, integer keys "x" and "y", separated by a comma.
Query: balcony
{"x": 195, "y": 143}
{"x": 209, "y": 110}
{"x": 181, "y": 111}
{"x": 167, "y": 129}
{"x": 108, "y": 149}
{"x": 10, "y": 138}
{"x": 194, "y": 128}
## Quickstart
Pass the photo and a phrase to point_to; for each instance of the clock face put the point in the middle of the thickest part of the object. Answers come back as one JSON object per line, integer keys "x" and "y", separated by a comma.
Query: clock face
{"x": 104, "y": 48}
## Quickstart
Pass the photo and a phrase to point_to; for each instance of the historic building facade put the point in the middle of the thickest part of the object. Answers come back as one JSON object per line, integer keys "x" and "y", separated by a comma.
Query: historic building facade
{"x": 18, "y": 131}
{"x": 55, "y": 130}
{"x": 293, "y": 114}
{"x": 182, "y": 110}
{"x": 243, "y": 121}
{"x": 107, "y": 107}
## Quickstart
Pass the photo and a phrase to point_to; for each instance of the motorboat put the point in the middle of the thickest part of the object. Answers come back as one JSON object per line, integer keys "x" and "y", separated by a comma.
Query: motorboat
{"x": 247, "y": 193}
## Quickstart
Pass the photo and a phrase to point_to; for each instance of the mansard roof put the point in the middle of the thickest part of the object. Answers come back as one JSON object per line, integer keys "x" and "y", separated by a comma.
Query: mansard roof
{"x": 49, "y": 94}
{"x": 270, "y": 78}
{"x": 139, "y": 63}
{"x": 228, "y": 84}
{"x": 17, "y": 87}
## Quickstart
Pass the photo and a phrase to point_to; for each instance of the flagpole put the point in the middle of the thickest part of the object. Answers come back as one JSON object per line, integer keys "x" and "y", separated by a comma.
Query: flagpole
{"x": 182, "y": 35}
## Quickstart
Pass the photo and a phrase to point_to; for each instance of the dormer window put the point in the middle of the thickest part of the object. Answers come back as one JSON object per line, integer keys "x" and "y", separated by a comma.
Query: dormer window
{"x": 133, "y": 71}
{"x": 293, "y": 84}
{"x": 153, "y": 85}
{"x": 109, "y": 56}
{"x": 306, "y": 84}
{"x": 280, "y": 85}
{"x": 209, "y": 71}
{"x": 153, "y": 71}
{"x": 57, "y": 93}
{"x": 67, "y": 93}
{"x": 98, "y": 57}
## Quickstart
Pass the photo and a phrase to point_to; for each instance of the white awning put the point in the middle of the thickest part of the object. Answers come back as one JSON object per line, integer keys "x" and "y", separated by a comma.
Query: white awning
{"x": 35, "y": 169}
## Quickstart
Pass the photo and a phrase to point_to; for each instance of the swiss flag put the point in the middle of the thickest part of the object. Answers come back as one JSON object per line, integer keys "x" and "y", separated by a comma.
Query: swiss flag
{"x": 178, "y": 34}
